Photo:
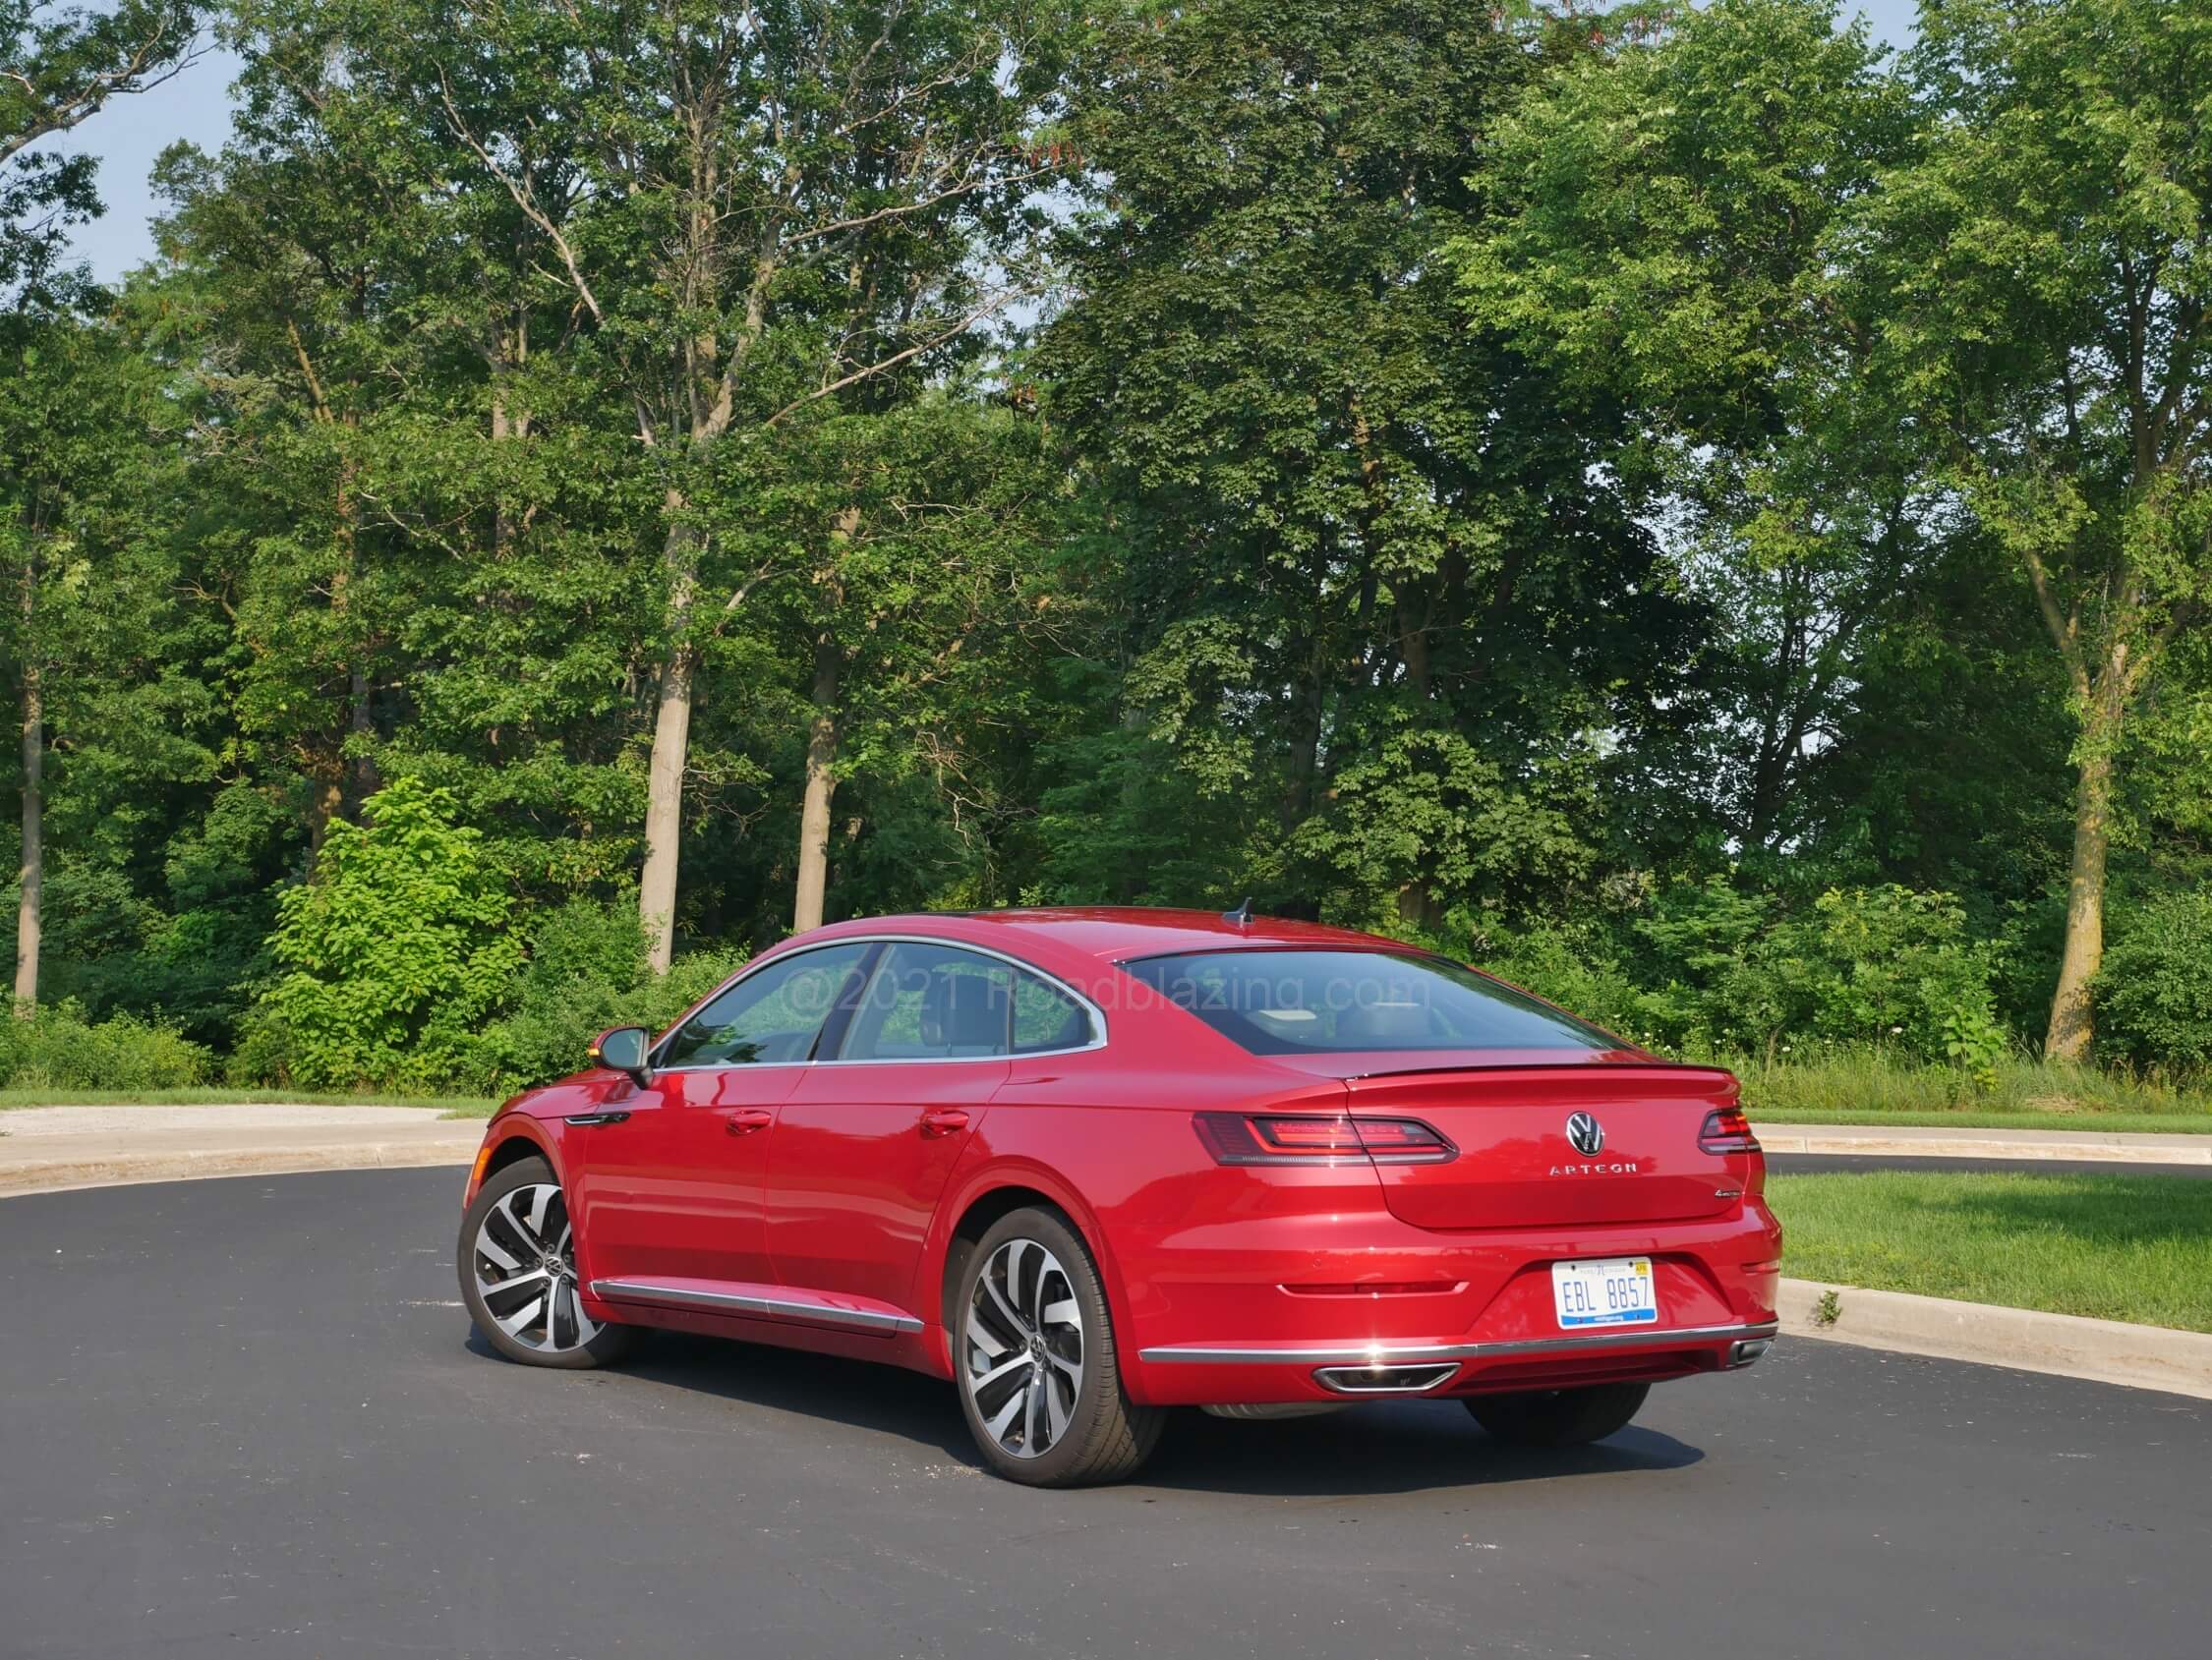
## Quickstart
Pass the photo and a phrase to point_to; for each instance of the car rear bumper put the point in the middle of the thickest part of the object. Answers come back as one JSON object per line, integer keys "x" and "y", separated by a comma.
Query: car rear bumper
{"x": 1356, "y": 1368}
{"x": 1473, "y": 1312}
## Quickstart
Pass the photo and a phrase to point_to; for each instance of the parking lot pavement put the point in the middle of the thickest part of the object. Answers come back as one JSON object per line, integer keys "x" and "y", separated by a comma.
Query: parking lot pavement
{"x": 245, "y": 1415}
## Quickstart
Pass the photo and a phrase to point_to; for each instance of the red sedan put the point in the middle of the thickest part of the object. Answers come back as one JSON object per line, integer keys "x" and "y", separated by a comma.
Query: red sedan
{"x": 1094, "y": 1164}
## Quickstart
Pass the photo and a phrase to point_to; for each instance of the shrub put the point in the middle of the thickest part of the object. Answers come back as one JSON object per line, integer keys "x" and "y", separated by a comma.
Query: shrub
{"x": 1574, "y": 967}
{"x": 1733, "y": 973}
{"x": 58, "y": 1048}
{"x": 2154, "y": 992}
{"x": 586, "y": 972}
{"x": 397, "y": 951}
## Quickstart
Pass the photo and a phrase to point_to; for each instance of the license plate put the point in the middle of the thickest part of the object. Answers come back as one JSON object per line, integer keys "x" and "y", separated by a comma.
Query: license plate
{"x": 1609, "y": 1291}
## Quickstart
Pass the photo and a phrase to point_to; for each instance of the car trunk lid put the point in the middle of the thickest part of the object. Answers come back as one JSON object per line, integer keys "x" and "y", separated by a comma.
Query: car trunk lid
{"x": 1558, "y": 1145}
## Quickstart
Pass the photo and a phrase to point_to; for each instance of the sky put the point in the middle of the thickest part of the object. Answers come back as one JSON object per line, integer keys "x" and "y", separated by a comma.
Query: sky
{"x": 132, "y": 132}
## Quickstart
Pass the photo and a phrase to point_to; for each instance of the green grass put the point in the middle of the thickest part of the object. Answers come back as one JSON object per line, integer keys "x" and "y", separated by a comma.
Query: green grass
{"x": 452, "y": 1106}
{"x": 2127, "y": 1123}
{"x": 1876, "y": 1086}
{"x": 2115, "y": 1247}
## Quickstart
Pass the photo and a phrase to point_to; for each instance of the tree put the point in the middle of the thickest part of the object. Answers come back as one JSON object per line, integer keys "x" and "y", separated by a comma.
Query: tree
{"x": 1664, "y": 229}
{"x": 779, "y": 205}
{"x": 58, "y": 68}
{"x": 1345, "y": 515}
{"x": 397, "y": 951}
{"x": 108, "y": 669}
{"x": 2043, "y": 268}
{"x": 924, "y": 604}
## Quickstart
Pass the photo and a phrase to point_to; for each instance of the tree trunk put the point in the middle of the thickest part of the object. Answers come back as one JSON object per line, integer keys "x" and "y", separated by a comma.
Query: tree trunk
{"x": 2072, "y": 1016}
{"x": 1413, "y": 636}
{"x": 672, "y": 744}
{"x": 664, "y": 808}
{"x": 821, "y": 786}
{"x": 367, "y": 779}
{"x": 28, "y": 911}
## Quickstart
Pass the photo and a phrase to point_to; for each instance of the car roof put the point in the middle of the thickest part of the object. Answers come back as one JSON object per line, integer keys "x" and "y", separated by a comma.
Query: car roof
{"x": 1117, "y": 933}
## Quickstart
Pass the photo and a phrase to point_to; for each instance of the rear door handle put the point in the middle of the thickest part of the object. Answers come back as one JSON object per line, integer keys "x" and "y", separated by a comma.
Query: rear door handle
{"x": 746, "y": 1119}
{"x": 584, "y": 1120}
{"x": 943, "y": 1121}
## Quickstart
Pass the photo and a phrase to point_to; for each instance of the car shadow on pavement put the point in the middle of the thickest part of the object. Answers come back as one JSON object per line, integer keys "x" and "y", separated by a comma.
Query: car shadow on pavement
{"x": 1393, "y": 1446}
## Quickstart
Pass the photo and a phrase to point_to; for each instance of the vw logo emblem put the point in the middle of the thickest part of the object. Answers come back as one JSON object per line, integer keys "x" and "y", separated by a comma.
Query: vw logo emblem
{"x": 1582, "y": 1131}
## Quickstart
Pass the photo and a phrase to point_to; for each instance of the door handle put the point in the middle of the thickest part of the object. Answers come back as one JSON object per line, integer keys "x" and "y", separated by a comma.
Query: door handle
{"x": 746, "y": 1119}
{"x": 584, "y": 1120}
{"x": 943, "y": 1121}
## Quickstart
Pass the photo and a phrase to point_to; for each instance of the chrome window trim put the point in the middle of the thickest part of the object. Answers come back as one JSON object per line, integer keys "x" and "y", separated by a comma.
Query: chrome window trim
{"x": 1097, "y": 1015}
{"x": 1380, "y": 1354}
{"x": 775, "y": 1308}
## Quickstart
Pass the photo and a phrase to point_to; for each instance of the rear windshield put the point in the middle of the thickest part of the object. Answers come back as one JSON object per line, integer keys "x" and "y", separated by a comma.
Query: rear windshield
{"x": 1336, "y": 1002}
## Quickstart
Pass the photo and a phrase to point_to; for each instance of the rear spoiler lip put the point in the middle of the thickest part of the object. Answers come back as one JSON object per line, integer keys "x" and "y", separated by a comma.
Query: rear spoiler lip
{"x": 1654, "y": 1065}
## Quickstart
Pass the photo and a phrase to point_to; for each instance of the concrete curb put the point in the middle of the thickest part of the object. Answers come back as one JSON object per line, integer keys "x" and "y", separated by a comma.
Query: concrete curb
{"x": 1911, "y": 1142}
{"x": 2064, "y": 1346}
{"x": 63, "y": 1171}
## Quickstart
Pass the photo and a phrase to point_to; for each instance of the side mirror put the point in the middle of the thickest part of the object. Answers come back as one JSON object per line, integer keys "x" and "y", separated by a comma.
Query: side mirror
{"x": 624, "y": 1049}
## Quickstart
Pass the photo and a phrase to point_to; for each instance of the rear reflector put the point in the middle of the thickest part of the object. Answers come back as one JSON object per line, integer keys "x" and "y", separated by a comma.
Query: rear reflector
{"x": 1728, "y": 1131}
{"x": 1274, "y": 1139}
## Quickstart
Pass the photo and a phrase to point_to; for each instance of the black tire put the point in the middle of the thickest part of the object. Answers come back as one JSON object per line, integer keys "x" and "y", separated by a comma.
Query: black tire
{"x": 1107, "y": 1436}
{"x": 510, "y": 1236}
{"x": 1559, "y": 1417}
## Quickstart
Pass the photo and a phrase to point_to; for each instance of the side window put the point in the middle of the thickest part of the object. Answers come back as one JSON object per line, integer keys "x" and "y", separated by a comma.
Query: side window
{"x": 767, "y": 1016}
{"x": 932, "y": 1002}
{"x": 1045, "y": 1017}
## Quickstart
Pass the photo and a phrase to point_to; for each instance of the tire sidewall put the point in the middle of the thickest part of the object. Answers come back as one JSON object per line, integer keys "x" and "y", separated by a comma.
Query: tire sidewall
{"x": 1101, "y": 1370}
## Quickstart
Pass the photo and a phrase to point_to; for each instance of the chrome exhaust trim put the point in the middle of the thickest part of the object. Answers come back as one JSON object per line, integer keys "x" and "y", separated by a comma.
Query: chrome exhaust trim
{"x": 1379, "y": 1379}
{"x": 1743, "y": 1354}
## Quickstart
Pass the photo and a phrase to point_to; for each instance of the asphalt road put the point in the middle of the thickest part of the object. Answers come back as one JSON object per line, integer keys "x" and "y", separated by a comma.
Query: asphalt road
{"x": 247, "y": 1416}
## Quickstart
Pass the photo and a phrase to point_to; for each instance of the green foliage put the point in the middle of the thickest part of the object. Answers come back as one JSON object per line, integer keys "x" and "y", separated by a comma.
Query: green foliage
{"x": 396, "y": 951}
{"x": 1870, "y": 1083}
{"x": 1880, "y": 966}
{"x": 1975, "y": 1042}
{"x": 1419, "y": 813}
{"x": 1574, "y": 964}
{"x": 586, "y": 972}
{"x": 1662, "y": 509}
{"x": 2154, "y": 992}
{"x": 58, "y": 1048}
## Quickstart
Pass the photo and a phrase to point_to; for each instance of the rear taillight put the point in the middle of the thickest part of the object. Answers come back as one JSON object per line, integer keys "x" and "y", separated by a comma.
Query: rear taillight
{"x": 1276, "y": 1138}
{"x": 1726, "y": 1131}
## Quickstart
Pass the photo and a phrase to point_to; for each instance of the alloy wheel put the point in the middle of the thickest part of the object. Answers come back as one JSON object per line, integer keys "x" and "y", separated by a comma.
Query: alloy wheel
{"x": 1022, "y": 1339}
{"x": 525, "y": 1264}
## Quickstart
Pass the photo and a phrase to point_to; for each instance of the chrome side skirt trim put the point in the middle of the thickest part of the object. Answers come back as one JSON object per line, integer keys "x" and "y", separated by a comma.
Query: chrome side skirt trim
{"x": 1378, "y": 1353}
{"x": 773, "y": 1308}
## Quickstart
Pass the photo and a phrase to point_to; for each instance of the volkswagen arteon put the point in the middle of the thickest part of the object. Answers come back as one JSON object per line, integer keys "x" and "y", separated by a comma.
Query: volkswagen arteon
{"x": 1092, "y": 1165}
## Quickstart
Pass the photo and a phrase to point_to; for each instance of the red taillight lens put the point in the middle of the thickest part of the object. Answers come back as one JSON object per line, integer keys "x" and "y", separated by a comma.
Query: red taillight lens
{"x": 1272, "y": 1139}
{"x": 1337, "y": 1139}
{"x": 1403, "y": 1141}
{"x": 1726, "y": 1131}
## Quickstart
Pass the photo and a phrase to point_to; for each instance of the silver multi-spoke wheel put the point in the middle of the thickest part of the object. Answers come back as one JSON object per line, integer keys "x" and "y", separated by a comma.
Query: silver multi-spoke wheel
{"x": 1023, "y": 1342}
{"x": 525, "y": 1264}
